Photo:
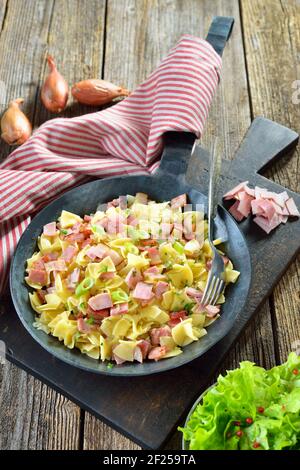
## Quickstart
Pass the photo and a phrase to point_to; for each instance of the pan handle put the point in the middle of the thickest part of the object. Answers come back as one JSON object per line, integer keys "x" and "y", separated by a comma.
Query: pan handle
{"x": 178, "y": 145}
{"x": 176, "y": 154}
{"x": 219, "y": 32}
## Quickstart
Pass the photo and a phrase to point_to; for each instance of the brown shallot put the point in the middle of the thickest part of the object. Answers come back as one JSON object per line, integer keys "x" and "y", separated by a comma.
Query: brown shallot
{"x": 97, "y": 92}
{"x": 55, "y": 90}
{"x": 15, "y": 126}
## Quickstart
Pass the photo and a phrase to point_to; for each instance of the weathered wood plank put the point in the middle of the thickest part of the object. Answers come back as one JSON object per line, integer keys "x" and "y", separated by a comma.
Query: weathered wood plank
{"x": 75, "y": 40}
{"x": 22, "y": 44}
{"x": 3, "y": 5}
{"x": 99, "y": 436}
{"x": 73, "y": 32}
{"x": 33, "y": 416}
{"x": 138, "y": 36}
{"x": 272, "y": 40}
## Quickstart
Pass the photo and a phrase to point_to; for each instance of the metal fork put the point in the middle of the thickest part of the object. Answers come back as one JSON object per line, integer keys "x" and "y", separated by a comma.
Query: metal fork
{"x": 215, "y": 282}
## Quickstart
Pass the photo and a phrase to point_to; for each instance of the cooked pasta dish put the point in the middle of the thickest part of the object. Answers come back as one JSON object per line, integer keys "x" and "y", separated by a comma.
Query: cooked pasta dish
{"x": 125, "y": 283}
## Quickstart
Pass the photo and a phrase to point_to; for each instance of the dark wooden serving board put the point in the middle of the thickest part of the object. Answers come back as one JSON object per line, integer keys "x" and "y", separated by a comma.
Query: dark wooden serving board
{"x": 148, "y": 409}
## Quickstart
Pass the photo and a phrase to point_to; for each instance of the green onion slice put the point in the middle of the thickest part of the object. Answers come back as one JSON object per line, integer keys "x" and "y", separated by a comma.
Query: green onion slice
{"x": 178, "y": 247}
{"x": 119, "y": 296}
{"x": 98, "y": 229}
{"x": 131, "y": 248}
{"x": 84, "y": 286}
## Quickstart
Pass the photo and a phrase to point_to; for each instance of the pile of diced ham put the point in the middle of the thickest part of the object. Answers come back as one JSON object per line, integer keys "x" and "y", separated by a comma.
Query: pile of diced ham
{"x": 270, "y": 209}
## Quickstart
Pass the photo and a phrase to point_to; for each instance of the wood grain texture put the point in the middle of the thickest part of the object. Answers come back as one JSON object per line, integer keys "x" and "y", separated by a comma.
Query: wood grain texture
{"x": 3, "y": 5}
{"x": 33, "y": 416}
{"x": 71, "y": 30}
{"x": 23, "y": 41}
{"x": 99, "y": 436}
{"x": 272, "y": 41}
{"x": 75, "y": 39}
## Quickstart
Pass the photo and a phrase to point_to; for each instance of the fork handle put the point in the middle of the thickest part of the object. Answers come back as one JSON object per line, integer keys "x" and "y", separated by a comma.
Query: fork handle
{"x": 214, "y": 173}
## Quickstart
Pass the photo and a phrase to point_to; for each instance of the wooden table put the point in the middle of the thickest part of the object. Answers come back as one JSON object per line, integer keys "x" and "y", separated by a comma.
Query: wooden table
{"x": 123, "y": 41}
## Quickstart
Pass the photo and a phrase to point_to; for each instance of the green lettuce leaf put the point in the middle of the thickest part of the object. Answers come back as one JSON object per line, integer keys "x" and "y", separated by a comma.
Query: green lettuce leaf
{"x": 249, "y": 408}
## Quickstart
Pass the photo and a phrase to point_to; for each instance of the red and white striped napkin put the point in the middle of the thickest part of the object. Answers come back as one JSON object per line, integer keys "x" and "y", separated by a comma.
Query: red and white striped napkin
{"x": 123, "y": 139}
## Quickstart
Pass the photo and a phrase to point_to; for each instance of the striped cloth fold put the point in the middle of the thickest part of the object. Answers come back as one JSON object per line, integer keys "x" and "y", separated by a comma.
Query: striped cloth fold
{"x": 123, "y": 139}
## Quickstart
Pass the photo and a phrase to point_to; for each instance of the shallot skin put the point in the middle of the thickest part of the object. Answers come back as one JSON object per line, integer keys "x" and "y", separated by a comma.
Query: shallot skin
{"x": 55, "y": 90}
{"x": 96, "y": 92}
{"x": 15, "y": 125}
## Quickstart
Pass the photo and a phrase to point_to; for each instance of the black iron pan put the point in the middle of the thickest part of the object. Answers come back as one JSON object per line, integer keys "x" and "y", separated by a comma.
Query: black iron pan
{"x": 165, "y": 184}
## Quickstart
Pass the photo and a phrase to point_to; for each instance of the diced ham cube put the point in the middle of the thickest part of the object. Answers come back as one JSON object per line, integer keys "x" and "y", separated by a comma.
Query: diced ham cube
{"x": 39, "y": 264}
{"x": 267, "y": 225}
{"x": 244, "y": 206}
{"x": 211, "y": 310}
{"x": 50, "y": 229}
{"x": 118, "y": 202}
{"x": 256, "y": 206}
{"x": 76, "y": 227}
{"x": 107, "y": 276}
{"x": 283, "y": 218}
{"x": 115, "y": 224}
{"x": 58, "y": 265}
{"x": 165, "y": 230}
{"x": 138, "y": 355}
{"x": 100, "y": 301}
{"x": 280, "y": 210}
{"x": 41, "y": 295}
{"x": 154, "y": 255}
{"x": 235, "y": 212}
{"x": 160, "y": 288}
{"x": 177, "y": 317}
{"x": 208, "y": 264}
{"x": 97, "y": 315}
{"x": 192, "y": 292}
{"x": 118, "y": 360}
{"x": 102, "y": 223}
{"x": 68, "y": 253}
{"x": 38, "y": 276}
{"x": 98, "y": 251}
{"x": 156, "y": 333}
{"x": 179, "y": 201}
{"x": 50, "y": 256}
{"x": 143, "y": 291}
{"x": 157, "y": 353}
{"x": 144, "y": 346}
{"x": 292, "y": 208}
{"x": 231, "y": 194}
{"x": 73, "y": 278}
{"x": 131, "y": 220}
{"x": 75, "y": 237}
{"x": 267, "y": 208}
{"x": 87, "y": 218}
{"x": 119, "y": 309}
{"x": 280, "y": 198}
{"x": 82, "y": 326}
{"x": 249, "y": 191}
{"x": 152, "y": 270}
{"x": 115, "y": 257}
{"x": 225, "y": 259}
{"x": 86, "y": 242}
{"x": 133, "y": 277}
